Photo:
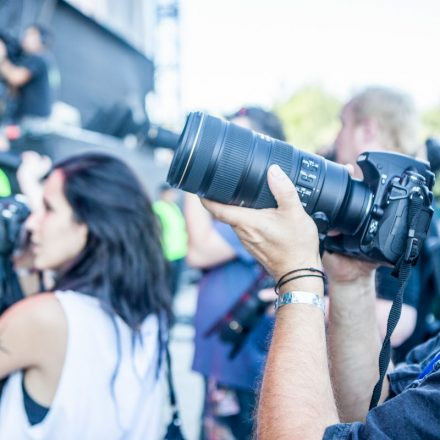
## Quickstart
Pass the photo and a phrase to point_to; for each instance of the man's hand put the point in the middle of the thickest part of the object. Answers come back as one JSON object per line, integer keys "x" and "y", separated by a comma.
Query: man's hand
{"x": 33, "y": 166}
{"x": 32, "y": 169}
{"x": 341, "y": 269}
{"x": 283, "y": 238}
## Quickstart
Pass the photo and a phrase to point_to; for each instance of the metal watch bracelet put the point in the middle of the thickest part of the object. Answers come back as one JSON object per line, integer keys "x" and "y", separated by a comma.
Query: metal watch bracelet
{"x": 300, "y": 297}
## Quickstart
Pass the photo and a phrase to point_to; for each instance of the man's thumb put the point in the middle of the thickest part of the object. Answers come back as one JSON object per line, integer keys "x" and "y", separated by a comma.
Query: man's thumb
{"x": 281, "y": 187}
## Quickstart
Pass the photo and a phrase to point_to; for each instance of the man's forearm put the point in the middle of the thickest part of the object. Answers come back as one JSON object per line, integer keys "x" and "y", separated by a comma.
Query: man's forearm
{"x": 296, "y": 397}
{"x": 354, "y": 345}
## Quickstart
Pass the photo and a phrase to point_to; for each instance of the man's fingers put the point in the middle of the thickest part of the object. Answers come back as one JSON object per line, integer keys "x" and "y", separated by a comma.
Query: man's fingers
{"x": 233, "y": 215}
{"x": 282, "y": 187}
{"x": 350, "y": 169}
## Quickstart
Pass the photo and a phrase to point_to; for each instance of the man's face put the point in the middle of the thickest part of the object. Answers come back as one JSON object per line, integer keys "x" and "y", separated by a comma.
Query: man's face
{"x": 356, "y": 137}
{"x": 349, "y": 141}
{"x": 31, "y": 41}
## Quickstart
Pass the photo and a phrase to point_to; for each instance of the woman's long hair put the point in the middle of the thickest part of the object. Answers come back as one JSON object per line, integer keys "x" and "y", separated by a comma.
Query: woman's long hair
{"x": 122, "y": 263}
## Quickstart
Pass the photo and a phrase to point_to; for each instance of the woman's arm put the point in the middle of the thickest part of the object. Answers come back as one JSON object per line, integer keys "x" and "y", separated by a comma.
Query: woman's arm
{"x": 33, "y": 334}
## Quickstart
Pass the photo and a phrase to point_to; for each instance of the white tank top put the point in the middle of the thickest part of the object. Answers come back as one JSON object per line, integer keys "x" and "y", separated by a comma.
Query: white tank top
{"x": 86, "y": 406}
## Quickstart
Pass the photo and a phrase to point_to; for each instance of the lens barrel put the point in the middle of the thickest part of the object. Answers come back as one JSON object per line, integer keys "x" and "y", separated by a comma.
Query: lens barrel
{"x": 221, "y": 161}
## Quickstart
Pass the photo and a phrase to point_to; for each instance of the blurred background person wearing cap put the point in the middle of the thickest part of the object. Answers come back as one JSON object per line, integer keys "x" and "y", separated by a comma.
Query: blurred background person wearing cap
{"x": 174, "y": 235}
{"x": 228, "y": 272}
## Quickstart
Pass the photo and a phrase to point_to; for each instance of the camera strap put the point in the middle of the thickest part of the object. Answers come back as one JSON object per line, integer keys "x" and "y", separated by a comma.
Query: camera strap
{"x": 256, "y": 285}
{"x": 174, "y": 431}
{"x": 402, "y": 270}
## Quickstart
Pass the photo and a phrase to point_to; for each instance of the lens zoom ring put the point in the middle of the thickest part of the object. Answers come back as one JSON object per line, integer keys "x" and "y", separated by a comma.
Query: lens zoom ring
{"x": 281, "y": 154}
{"x": 231, "y": 164}
{"x": 202, "y": 155}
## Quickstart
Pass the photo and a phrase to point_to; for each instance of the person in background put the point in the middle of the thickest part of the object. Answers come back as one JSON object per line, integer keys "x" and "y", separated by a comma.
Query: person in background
{"x": 174, "y": 235}
{"x": 7, "y": 166}
{"x": 28, "y": 75}
{"x": 383, "y": 119}
{"x": 228, "y": 271}
{"x": 85, "y": 359}
{"x": 5, "y": 185}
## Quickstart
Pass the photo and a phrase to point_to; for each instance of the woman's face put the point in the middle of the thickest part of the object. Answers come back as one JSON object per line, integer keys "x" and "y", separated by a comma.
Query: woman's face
{"x": 243, "y": 121}
{"x": 57, "y": 239}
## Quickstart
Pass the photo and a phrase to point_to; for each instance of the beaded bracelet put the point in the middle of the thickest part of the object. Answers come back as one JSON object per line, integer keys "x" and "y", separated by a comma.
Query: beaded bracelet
{"x": 282, "y": 281}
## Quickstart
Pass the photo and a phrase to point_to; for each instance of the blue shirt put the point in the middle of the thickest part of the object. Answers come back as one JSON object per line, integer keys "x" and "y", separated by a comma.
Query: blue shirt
{"x": 35, "y": 96}
{"x": 413, "y": 409}
{"x": 219, "y": 290}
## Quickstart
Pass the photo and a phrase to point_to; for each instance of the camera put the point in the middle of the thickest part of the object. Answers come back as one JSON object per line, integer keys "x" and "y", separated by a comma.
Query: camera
{"x": 13, "y": 213}
{"x": 120, "y": 121}
{"x": 227, "y": 163}
{"x": 239, "y": 321}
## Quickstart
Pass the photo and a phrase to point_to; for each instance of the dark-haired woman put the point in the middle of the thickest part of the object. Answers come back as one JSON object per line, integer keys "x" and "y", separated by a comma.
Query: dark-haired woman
{"x": 85, "y": 360}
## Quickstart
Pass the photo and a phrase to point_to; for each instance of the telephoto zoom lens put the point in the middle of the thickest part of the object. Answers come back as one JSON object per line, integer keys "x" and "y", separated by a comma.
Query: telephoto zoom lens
{"x": 221, "y": 161}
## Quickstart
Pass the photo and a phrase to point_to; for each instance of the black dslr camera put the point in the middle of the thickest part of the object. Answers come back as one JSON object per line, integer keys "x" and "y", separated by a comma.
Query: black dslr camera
{"x": 13, "y": 213}
{"x": 383, "y": 218}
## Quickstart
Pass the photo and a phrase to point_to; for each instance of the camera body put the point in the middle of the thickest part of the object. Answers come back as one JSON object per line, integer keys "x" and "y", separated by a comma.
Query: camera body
{"x": 395, "y": 182}
{"x": 13, "y": 214}
{"x": 383, "y": 218}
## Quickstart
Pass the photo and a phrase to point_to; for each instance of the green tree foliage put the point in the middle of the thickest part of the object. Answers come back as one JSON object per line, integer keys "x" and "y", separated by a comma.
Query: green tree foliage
{"x": 431, "y": 122}
{"x": 310, "y": 118}
{"x": 431, "y": 128}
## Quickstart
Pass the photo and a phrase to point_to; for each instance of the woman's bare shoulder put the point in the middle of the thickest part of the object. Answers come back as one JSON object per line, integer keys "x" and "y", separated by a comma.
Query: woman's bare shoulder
{"x": 29, "y": 330}
{"x": 42, "y": 309}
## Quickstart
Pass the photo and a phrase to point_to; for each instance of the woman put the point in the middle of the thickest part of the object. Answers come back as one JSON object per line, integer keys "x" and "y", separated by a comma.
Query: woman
{"x": 84, "y": 360}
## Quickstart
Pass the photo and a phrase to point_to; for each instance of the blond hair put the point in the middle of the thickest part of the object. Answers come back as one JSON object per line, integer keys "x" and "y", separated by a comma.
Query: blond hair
{"x": 395, "y": 113}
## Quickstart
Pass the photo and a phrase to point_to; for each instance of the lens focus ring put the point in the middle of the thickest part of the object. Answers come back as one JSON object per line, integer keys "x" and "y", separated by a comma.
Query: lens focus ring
{"x": 232, "y": 161}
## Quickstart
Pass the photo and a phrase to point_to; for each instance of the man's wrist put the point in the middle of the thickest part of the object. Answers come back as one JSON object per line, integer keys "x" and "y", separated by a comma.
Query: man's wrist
{"x": 307, "y": 275}
{"x": 348, "y": 294}
{"x": 283, "y": 269}
{"x": 309, "y": 284}
{"x": 365, "y": 280}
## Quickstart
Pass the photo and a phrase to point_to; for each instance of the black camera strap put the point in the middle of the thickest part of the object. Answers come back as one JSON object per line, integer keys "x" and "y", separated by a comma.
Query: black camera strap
{"x": 402, "y": 270}
{"x": 256, "y": 285}
{"x": 174, "y": 431}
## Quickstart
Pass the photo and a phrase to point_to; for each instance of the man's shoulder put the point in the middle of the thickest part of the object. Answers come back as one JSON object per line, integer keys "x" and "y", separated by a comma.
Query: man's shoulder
{"x": 421, "y": 361}
{"x": 424, "y": 352}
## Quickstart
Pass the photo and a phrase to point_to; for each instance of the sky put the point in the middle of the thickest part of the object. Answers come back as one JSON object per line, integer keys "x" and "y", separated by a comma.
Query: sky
{"x": 243, "y": 52}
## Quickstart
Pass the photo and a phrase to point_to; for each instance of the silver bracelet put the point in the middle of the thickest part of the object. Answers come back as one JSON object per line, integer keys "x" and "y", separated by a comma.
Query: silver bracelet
{"x": 299, "y": 297}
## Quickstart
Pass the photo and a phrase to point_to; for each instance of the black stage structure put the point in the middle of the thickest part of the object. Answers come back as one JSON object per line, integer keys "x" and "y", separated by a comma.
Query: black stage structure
{"x": 101, "y": 74}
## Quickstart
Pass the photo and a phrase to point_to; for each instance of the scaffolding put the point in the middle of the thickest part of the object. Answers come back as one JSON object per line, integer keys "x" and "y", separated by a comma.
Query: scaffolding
{"x": 165, "y": 104}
